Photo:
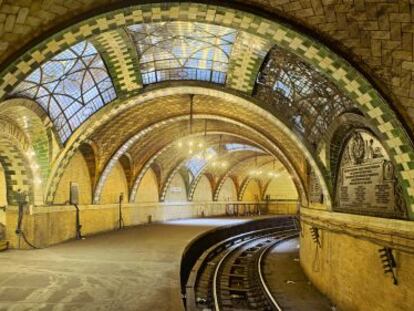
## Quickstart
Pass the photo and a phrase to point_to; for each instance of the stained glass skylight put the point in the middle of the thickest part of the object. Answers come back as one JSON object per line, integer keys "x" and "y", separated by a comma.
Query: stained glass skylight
{"x": 70, "y": 87}
{"x": 242, "y": 147}
{"x": 196, "y": 163}
{"x": 183, "y": 51}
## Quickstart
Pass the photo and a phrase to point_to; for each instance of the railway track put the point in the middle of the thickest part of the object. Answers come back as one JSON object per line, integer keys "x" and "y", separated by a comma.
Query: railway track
{"x": 229, "y": 275}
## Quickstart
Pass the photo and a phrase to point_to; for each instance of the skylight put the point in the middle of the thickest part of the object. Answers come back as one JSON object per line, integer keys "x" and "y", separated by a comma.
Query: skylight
{"x": 242, "y": 147}
{"x": 70, "y": 87}
{"x": 198, "y": 161}
{"x": 183, "y": 51}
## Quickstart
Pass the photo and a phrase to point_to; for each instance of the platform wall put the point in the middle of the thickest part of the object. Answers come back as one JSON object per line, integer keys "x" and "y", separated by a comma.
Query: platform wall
{"x": 347, "y": 267}
{"x": 48, "y": 225}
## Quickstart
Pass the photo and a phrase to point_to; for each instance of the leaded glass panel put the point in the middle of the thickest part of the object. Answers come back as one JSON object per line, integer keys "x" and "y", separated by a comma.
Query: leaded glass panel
{"x": 241, "y": 147}
{"x": 307, "y": 100}
{"x": 183, "y": 51}
{"x": 70, "y": 87}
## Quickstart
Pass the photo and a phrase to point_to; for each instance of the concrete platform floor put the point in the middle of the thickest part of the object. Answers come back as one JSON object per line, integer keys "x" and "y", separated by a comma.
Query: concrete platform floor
{"x": 288, "y": 283}
{"x": 133, "y": 269}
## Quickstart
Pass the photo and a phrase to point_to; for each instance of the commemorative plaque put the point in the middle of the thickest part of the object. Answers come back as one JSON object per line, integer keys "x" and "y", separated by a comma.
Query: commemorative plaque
{"x": 366, "y": 182}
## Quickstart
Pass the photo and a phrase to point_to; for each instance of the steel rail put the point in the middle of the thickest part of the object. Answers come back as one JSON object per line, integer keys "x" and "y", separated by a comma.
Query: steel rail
{"x": 229, "y": 251}
{"x": 260, "y": 271}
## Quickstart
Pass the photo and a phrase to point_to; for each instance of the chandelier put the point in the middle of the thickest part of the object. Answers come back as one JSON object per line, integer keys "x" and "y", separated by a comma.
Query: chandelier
{"x": 191, "y": 144}
{"x": 218, "y": 162}
{"x": 257, "y": 171}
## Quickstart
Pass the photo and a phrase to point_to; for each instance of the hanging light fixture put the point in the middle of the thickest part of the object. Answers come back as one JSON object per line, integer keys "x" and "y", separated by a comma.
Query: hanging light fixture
{"x": 273, "y": 173}
{"x": 191, "y": 144}
{"x": 256, "y": 171}
{"x": 218, "y": 163}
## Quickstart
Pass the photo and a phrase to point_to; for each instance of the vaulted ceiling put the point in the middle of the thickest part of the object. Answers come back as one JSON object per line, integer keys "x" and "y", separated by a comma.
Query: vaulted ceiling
{"x": 123, "y": 79}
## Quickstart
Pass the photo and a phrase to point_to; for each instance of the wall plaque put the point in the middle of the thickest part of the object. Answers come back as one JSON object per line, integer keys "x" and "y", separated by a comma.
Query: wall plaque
{"x": 366, "y": 182}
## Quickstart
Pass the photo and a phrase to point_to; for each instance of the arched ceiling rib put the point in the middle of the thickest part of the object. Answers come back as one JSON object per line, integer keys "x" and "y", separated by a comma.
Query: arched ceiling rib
{"x": 112, "y": 134}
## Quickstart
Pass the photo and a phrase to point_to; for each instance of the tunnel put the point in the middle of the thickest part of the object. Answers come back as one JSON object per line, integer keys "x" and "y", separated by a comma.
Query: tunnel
{"x": 206, "y": 155}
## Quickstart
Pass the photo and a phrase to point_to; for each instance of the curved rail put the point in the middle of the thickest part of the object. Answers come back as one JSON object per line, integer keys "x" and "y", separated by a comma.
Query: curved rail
{"x": 259, "y": 270}
{"x": 262, "y": 279}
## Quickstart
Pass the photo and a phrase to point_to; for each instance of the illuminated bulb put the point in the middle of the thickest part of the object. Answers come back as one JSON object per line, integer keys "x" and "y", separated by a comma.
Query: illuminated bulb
{"x": 190, "y": 151}
{"x": 37, "y": 181}
{"x": 200, "y": 145}
{"x": 190, "y": 143}
{"x": 180, "y": 144}
{"x": 224, "y": 164}
{"x": 214, "y": 164}
{"x": 30, "y": 153}
{"x": 35, "y": 166}
{"x": 270, "y": 174}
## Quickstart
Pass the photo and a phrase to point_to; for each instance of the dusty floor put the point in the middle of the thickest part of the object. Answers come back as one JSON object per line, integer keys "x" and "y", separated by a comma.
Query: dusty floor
{"x": 133, "y": 269}
{"x": 287, "y": 281}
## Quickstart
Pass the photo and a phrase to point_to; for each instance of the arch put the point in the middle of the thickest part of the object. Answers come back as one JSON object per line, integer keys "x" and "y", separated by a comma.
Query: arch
{"x": 176, "y": 191}
{"x": 204, "y": 190}
{"x": 350, "y": 81}
{"x": 132, "y": 140}
{"x": 36, "y": 126}
{"x": 250, "y": 190}
{"x": 127, "y": 166}
{"x": 148, "y": 188}
{"x": 171, "y": 178}
{"x": 281, "y": 188}
{"x": 89, "y": 152}
{"x": 70, "y": 87}
{"x": 3, "y": 187}
{"x": 227, "y": 191}
{"x": 3, "y": 203}
{"x": 77, "y": 171}
{"x": 193, "y": 183}
{"x": 20, "y": 164}
{"x": 114, "y": 185}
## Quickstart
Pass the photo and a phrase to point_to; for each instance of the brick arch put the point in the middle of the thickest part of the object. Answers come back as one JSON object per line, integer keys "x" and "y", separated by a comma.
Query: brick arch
{"x": 109, "y": 111}
{"x": 17, "y": 171}
{"x": 127, "y": 166}
{"x": 171, "y": 175}
{"x": 142, "y": 133}
{"x": 89, "y": 152}
{"x": 193, "y": 189}
{"x": 220, "y": 184}
{"x": 244, "y": 186}
{"x": 36, "y": 125}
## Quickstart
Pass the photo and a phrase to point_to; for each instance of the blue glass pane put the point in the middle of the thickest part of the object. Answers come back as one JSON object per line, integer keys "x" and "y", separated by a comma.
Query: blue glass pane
{"x": 70, "y": 87}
